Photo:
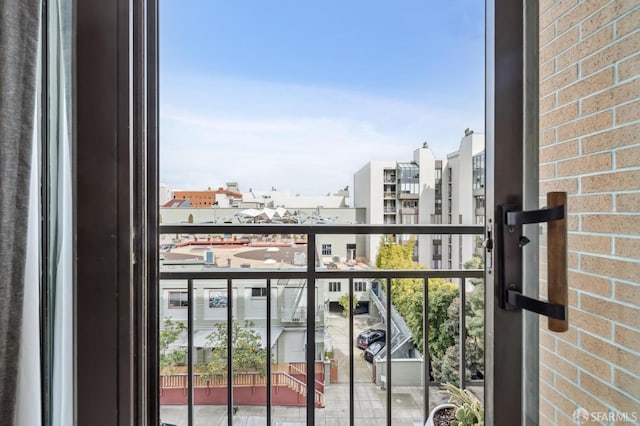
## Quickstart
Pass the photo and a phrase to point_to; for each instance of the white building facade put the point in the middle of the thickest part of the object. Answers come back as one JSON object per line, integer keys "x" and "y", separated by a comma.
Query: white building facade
{"x": 426, "y": 191}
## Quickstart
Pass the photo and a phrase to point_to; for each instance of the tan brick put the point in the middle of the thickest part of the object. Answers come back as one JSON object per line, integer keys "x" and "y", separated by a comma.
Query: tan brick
{"x": 590, "y": 203}
{"x": 547, "y": 137}
{"x": 617, "y": 181}
{"x": 585, "y": 48}
{"x": 560, "y": 400}
{"x": 573, "y": 262}
{"x": 586, "y": 86}
{"x": 557, "y": 9}
{"x": 574, "y": 392}
{"x": 559, "y": 80}
{"x": 609, "y": 98}
{"x": 628, "y": 293}
{"x": 627, "y": 23}
{"x": 608, "y": 309}
{"x": 572, "y": 294}
{"x": 546, "y": 36}
{"x": 546, "y": 70}
{"x": 559, "y": 364}
{"x": 584, "y": 361}
{"x": 546, "y": 374}
{"x": 546, "y": 409}
{"x": 620, "y": 136}
{"x": 621, "y": 269}
{"x": 591, "y": 124}
{"x": 559, "y": 115}
{"x": 585, "y": 164}
{"x": 545, "y": 4}
{"x": 560, "y": 44}
{"x": 615, "y": 52}
{"x": 573, "y": 223}
{"x": 611, "y": 223}
{"x": 559, "y": 151}
{"x": 570, "y": 185}
{"x": 547, "y": 104}
{"x": 593, "y": 325}
{"x": 628, "y": 202}
{"x": 616, "y": 355}
{"x": 627, "y": 337}
{"x": 574, "y": 16}
{"x": 629, "y": 68}
{"x": 590, "y": 243}
{"x": 628, "y": 247}
{"x": 589, "y": 283}
{"x": 629, "y": 157}
{"x": 628, "y": 112}
{"x": 547, "y": 171}
{"x": 606, "y": 15}
{"x": 626, "y": 382}
{"x": 608, "y": 393}
{"x": 571, "y": 335}
{"x": 547, "y": 340}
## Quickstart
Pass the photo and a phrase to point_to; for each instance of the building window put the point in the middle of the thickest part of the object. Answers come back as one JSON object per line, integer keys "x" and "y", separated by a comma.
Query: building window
{"x": 334, "y": 286}
{"x": 178, "y": 299}
{"x": 326, "y": 249}
{"x": 258, "y": 292}
{"x": 478, "y": 171}
{"x": 360, "y": 286}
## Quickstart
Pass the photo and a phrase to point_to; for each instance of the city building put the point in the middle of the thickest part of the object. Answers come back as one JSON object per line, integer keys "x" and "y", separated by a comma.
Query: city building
{"x": 208, "y": 197}
{"x": 426, "y": 191}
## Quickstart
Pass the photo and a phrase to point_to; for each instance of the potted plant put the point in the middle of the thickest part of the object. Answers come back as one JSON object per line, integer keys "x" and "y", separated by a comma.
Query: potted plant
{"x": 463, "y": 409}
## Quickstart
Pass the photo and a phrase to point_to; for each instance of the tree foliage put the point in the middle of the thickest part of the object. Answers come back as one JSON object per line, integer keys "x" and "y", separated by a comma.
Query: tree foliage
{"x": 169, "y": 334}
{"x": 407, "y": 296}
{"x": 344, "y": 302}
{"x": 248, "y": 355}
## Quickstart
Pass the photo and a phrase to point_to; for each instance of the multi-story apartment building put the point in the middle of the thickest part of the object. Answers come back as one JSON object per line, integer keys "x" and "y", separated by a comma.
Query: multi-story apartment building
{"x": 426, "y": 191}
{"x": 463, "y": 197}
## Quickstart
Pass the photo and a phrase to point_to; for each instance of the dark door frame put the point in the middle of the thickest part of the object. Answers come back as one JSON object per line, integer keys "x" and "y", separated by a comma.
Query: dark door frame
{"x": 115, "y": 208}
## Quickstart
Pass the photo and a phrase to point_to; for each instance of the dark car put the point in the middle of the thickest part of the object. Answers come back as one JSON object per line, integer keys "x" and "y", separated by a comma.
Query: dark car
{"x": 373, "y": 350}
{"x": 368, "y": 337}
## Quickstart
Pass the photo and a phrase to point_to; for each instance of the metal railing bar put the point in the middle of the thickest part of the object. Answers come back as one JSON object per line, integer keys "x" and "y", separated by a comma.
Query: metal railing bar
{"x": 190, "y": 352}
{"x": 311, "y": 327}
{"x": 389, "y": 350}
{"x": 230, "y": 352}
{"x": 351, "y": 361}
{"x": 268, "y": 390}
{"x": 426, "y": 361}
{"x": 241, "y": 273}
{"x": 317, "y": 229}
{"x": 463, "y": 334}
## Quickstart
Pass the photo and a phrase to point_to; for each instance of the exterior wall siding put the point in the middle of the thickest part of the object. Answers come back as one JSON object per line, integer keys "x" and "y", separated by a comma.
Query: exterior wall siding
{"x": 590, "y": 147}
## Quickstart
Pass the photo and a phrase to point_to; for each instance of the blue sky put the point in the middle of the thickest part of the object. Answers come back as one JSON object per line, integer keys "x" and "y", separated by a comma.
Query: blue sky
{"x": 298, "y": 95}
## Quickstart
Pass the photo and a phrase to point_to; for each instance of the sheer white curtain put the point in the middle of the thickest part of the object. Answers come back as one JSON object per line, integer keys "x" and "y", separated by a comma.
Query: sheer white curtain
{"x": 60, "y": 251}
{"x": 57, "y": 211}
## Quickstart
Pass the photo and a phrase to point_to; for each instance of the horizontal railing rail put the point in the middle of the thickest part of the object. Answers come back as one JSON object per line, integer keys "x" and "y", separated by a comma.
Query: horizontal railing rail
{"x": 312, "y": 272}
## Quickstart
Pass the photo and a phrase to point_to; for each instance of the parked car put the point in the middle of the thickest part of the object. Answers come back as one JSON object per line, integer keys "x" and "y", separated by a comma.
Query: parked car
{"x": 368, "y": 337}
{"x": 373, "y": 350}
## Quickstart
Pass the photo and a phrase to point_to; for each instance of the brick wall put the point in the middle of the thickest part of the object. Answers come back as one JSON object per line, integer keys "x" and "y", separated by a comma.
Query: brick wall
{"x": 590, "y": 147}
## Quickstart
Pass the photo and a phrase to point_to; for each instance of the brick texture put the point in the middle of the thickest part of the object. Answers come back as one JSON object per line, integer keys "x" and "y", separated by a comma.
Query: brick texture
{"x": 590, "y": 147}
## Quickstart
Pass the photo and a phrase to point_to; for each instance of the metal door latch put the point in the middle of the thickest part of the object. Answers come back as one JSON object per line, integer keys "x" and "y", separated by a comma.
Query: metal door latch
{"x": 510, "y": 242}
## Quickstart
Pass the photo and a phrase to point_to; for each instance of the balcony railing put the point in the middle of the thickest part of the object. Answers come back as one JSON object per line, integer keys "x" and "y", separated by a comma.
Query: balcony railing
{"x": 311, "y": 273}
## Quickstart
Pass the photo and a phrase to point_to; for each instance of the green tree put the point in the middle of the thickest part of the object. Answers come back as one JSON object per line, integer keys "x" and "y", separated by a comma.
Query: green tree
{"x": 406, "y": 296}
{"x": 169, "y": 334}
{"x": 248, "y": 355}
{"x": 344, "y": 302}
{"x": 445, "y": 368}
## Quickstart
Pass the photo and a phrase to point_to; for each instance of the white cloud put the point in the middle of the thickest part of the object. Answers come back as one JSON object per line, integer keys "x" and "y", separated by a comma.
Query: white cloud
{"x": 308, "y": 140}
